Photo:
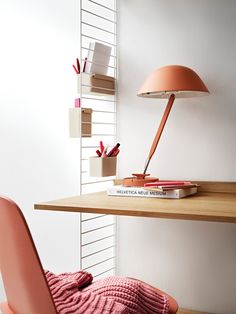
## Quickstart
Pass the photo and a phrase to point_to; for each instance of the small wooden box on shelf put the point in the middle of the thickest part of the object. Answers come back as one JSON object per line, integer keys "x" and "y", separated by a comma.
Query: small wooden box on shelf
{"x": 86, "y": 121}
{"x": 95, "y": 84}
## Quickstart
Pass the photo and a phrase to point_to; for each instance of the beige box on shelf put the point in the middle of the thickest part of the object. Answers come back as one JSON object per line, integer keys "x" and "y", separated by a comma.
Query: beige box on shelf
{"x": 102, "y": 167}
{"x": 96, "y": 84}
{"x": 74, "y": 122}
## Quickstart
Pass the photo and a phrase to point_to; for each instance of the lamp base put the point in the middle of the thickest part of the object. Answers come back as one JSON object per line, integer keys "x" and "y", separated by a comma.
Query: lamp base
{"x": 138, "y": 180}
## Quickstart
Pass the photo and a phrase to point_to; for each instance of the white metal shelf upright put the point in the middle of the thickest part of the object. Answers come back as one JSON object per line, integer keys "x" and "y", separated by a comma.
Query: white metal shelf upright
{"x": 98, "y": 23}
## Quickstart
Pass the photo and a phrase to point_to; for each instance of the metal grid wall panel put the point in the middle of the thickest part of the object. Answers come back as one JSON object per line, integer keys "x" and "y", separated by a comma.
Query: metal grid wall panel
{"x": 98, "y": 24}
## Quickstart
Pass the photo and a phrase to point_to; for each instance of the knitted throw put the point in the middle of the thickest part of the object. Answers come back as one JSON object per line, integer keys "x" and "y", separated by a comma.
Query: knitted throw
{"x": 75, "y": 293}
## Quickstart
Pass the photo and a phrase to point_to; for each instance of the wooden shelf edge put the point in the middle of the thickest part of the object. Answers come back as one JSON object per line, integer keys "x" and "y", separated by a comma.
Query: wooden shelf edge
{"x": 186, "y": 311}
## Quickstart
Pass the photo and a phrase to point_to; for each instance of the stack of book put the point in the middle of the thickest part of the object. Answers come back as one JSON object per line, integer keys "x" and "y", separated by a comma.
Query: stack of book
{"x": 160, "y": 189}
{"x": 98, "y": 58}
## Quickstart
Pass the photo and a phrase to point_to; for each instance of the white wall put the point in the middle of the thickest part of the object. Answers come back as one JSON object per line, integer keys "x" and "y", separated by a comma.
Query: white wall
{"x": 193, "y": 261}
{"x": 38, "y": 160}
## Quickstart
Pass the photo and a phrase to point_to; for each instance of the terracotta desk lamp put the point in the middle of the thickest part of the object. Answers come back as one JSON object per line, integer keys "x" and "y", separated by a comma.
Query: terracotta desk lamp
{"x": 172, "y": 81}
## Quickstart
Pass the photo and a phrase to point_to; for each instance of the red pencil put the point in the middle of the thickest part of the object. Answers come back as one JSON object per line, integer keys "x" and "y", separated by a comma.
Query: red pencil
{"x": 113, "y": 150}
{"x": 98, "y": 153}
{"x": 115, "y": 153}
{"x": 75, "y": 69}
{"x": 78, "y": 65}
{"x": 85, "y": 64}
{"x": 101, "y": 146}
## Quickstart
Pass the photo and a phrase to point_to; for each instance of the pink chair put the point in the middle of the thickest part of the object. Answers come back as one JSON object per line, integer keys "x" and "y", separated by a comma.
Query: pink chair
{"x": 24, "y": 281}
{"x": 26, "y": 287}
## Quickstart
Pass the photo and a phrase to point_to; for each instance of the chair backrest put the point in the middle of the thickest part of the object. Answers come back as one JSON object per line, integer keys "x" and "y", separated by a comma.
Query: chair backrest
{"x": 25, "y": 285}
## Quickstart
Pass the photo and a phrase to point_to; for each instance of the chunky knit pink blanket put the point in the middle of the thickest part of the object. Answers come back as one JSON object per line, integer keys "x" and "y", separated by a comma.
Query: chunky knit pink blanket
{"x": 75, "y": 293}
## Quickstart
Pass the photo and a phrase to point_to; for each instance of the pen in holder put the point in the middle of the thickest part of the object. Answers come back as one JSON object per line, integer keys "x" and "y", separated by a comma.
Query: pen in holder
{"x": 104, "y": 164}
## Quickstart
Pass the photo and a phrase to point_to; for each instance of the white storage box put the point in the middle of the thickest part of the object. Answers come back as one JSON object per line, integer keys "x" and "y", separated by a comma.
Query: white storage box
{"x": 102, "y": 167}
{"x": 96, "y": 84}
{"x": 74, "y": 122}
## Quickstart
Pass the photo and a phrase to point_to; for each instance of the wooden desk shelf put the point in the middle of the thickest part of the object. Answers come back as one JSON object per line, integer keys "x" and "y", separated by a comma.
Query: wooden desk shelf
{"x": 219, "y": 204}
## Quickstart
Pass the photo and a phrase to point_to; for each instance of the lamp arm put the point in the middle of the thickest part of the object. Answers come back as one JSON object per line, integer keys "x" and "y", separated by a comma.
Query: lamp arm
{"x": 159, "y": 131}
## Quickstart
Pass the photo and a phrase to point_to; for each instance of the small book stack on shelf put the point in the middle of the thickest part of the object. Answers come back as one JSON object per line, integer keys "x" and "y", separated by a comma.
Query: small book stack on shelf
{"x": 98, "y": 58}
{"x": 158, "y": 189}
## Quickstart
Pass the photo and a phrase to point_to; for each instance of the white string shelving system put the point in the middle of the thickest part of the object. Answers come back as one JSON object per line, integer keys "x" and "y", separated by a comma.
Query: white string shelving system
{"x": 98, "y": 23}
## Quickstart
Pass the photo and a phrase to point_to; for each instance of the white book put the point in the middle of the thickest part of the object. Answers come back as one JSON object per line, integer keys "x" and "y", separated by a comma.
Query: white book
{"x": 119, "y": 190}
{"x": 98, "y": 58}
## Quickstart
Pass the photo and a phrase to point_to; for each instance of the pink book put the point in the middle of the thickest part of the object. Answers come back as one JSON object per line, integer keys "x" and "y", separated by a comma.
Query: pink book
{"x": 167, "y": 183}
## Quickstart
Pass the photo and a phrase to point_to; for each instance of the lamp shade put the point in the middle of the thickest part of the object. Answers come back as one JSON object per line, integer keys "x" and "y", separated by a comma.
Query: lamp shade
{"x": 179, "y": 80}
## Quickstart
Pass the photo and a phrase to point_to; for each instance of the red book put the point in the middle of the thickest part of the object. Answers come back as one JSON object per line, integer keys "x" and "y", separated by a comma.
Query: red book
{"x": 166, "y": 183}
{"x": 176, "y": 187}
